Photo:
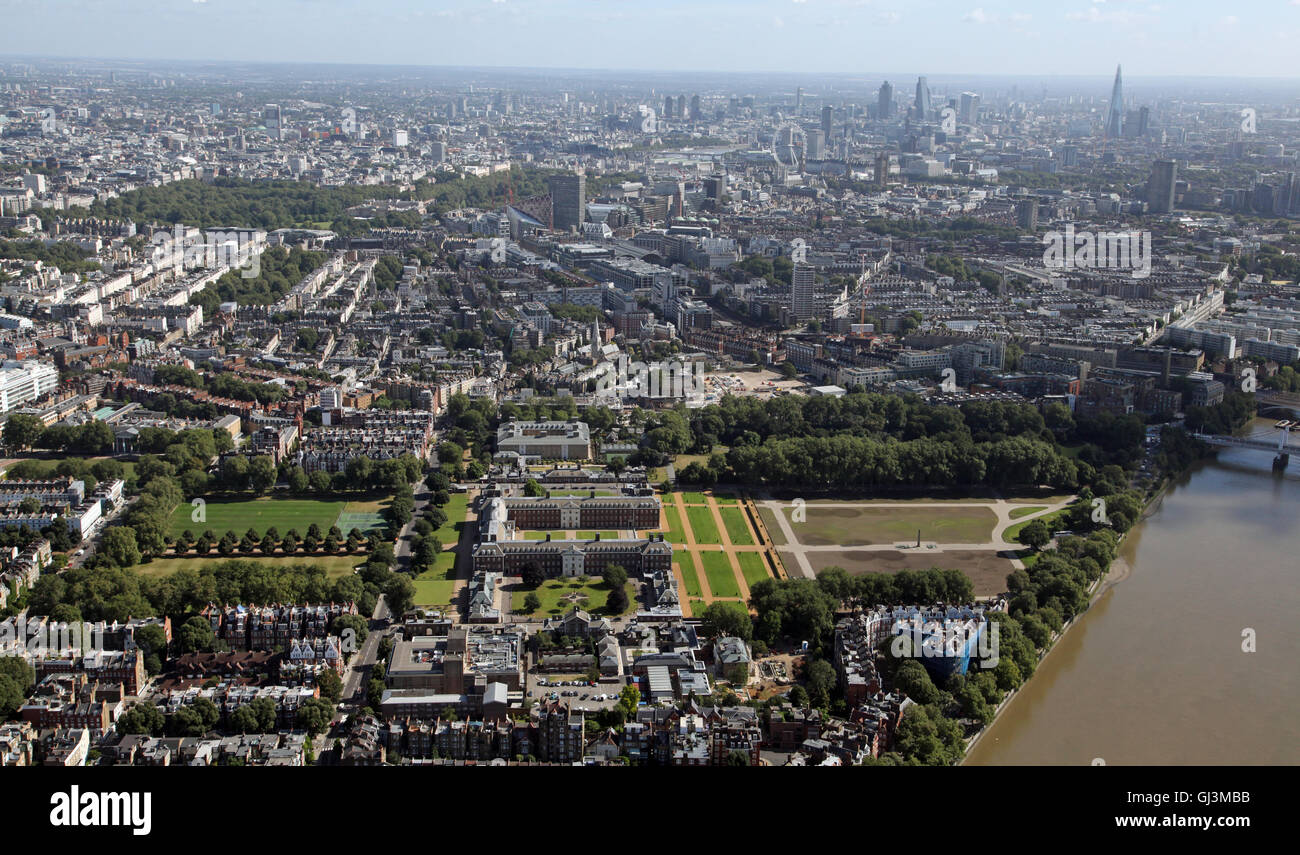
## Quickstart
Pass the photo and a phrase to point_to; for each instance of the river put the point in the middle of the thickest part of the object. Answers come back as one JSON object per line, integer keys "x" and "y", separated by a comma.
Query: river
{"x": 1154, "y": 673}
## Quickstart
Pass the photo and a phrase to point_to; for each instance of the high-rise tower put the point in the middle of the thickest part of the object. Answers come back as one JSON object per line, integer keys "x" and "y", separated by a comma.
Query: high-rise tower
{"x": 1115, "y": 116}
{"x": 922, "y": 104}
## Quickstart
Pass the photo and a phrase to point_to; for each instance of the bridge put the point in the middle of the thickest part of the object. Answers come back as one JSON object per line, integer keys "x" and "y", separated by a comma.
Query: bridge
{"x": 1282, "y": 448}
{"x": 1267, "y": 401}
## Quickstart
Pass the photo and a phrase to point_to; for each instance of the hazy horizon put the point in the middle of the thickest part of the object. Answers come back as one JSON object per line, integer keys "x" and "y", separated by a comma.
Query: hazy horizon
{"x": 1196, "y": 39}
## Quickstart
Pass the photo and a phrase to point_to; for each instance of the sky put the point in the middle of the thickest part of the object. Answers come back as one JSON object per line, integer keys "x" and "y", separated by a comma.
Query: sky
{"x": 1244, "y": 38}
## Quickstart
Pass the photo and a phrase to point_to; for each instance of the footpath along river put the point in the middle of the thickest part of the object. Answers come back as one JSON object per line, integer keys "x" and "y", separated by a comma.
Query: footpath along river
{"x": 1154, "y": 673}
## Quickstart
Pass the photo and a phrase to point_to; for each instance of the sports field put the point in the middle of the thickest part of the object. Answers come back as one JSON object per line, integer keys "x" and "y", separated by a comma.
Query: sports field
{"x": 987, "y": 569}
{"x": 257, "y": 514}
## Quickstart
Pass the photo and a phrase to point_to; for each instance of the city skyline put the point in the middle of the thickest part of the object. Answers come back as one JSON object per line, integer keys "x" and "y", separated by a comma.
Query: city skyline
{"x": 1198, "y": 39}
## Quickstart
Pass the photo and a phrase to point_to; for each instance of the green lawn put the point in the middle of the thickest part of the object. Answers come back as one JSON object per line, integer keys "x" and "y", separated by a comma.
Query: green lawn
{"x": 553, "y": 593}
{"x": 259, "y": 514}
{"x": 676, "y": 534}
{"x": 734, "y": 520}
{"x": 536, "y": 535}
{"x": 449, "y": 534}
{"x": 706, "y": 530}
{"x": 433, "y": 587}
{"x": 333, "y": 565}
{"x": 689, "y": 578}
{"x": 734, "y": 605}
{"x": 722, "y": 580}
{"x": 1055, "y": 522}
{"x": 1017, "y": 513}
{"x": 694, "y": 498}
{"x": 591, "y": 535}
{"x": 725, "y": 499}
{"x": 753, "y": 566}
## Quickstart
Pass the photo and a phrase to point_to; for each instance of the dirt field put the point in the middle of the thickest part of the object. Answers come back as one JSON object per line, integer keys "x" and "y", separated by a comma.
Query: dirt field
{"x": 987, "y": 570}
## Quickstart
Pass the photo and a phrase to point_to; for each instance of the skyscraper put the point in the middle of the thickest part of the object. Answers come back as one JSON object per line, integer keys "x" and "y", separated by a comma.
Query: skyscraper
{"x": 826, "y": 121}
{"x": 696, "y": 113}
{"x": 969, "y": 108}
{"x": 568, "y": 201}
{"x": 802, "y": 279}
{"x": 921, "y": 107}
{"x": 1115, "y": 115}
{"x": 1160, "y": 187}
{"x": 272, "y": 121}
{"x": 816, "y": 147}
{"x": 885, "y": 102}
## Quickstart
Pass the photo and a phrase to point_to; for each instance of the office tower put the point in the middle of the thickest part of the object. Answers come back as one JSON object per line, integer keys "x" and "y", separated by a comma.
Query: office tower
{"x": 882, "y": 169}
{"x": 802, "y": 279}
{"x": 798, "y": 99}
{"x": 921, "y": 107}
{"x": 1115, "y": 115}
{"x": 681, "y": 107}
{"x": 668, "y": 107}
{"x": 969, "y": 108}
{"x": 826, "y": 121}
{"x": 885, "y": 101}
{"x": 696, "y": 113}
{"x": 568, "y": 201}
{"x": 272, "y": 121}
{"x": 1144, "y": 122}
{"x": 1027, "y": 214}
{"x": 438, "y": 151}
{"x": 816, "y": 149}
{"x": 1069, "y": 156}
{"x": 1160, "y": 187}
{"x": 715, "y": 187}
{"x": 400, "y": 138}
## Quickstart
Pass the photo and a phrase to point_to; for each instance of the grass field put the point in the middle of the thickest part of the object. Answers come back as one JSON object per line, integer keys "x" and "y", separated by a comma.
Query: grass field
{"x": 734, "y": 605}
{"x": 753, "y": 566}
{"x": 555, "y": 592}
{"x": 1054, "y": 523}
{"x": 706, "y": 530}
{"x": 1017, "y": 513}
{"x": 734, "y": 520}
{"x": 258, "y": 514}
{"x": 433, "y": 587}
{"x": 591, "y": 535}
{"x": 725, "y": 499}
{"x": 717, "y": 569}
{"x": 676, "y": 534}
{"x": 693, "y": 498}
{"x": 773, "y": 527}
{"x": 449, "y": 534}
{"x": 987, "y": 569}
{"x": 689, "y": 579}
{"x": 333, "y": 565}
{"x": 828, "y": 525}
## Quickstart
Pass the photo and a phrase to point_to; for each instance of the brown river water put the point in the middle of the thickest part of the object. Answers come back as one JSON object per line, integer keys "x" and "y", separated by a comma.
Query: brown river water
{"x": 1154, "y": 673}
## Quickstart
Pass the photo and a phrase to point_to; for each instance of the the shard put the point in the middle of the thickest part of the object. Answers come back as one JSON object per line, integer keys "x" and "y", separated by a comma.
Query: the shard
{"x": 1115, "y": 118}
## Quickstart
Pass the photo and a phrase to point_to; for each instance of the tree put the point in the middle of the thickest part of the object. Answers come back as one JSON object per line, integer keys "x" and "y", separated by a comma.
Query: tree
{"x": 617, "y": 601}
{"x": 532, "y": 602}
{"x": 261, "y": 473}
{"x": 23, "y": 431}
{"x": 614, "y": 575}
{"x": 119, "y": 548}
{"x": 331, "y": 685}
{"x": 532, "y": 574}
{"x": 1035, "y": 534}
{"x": 195, "y": 635}
{"x": 532, "y": 488}
{"x": 721, "y": 619}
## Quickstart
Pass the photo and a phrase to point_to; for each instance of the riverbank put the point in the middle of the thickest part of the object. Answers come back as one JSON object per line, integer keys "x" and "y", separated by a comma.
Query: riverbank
{"x": 1118, "y": 571}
